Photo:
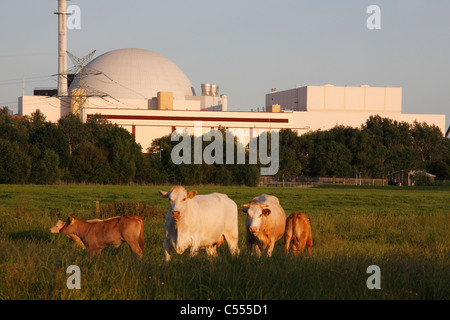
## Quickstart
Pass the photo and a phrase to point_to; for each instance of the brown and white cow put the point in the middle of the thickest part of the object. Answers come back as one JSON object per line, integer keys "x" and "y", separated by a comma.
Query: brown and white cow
{"x": 199, "y": 222}
{"x": 100, "y": 234}
{"x": 265, "y": 223}
{"x": 298, "y": 233}
{"x": 59, "y": 224}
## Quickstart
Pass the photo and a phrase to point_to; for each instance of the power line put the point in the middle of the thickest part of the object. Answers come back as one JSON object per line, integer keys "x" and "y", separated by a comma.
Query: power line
{"x": 25, "y": 79}
{"x": 16, "y": 55}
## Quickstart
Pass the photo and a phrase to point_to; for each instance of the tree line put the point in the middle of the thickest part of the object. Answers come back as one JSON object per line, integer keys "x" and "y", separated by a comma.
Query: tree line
{"x": 379, "y": 147}
{"x": 33, "y": 150}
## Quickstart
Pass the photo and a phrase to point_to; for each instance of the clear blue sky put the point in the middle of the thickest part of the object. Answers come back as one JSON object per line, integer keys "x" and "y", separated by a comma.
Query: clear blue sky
{"x": 246, "y": 47}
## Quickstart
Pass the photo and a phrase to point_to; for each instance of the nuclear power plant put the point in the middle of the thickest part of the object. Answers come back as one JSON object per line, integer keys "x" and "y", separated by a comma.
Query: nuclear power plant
{"x": 150, "y": 96}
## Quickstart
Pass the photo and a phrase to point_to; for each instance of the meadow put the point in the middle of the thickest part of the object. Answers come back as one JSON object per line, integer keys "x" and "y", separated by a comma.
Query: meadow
{"x": 404, "y": 231}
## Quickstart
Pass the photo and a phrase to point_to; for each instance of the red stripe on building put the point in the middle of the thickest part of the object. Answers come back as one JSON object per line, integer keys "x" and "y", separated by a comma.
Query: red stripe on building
{"x": 180, "y": 118}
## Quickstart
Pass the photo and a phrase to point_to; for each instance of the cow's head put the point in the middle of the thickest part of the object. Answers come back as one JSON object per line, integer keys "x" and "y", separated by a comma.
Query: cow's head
{"x": 70, "y": 226}
{"x": 178, "y": 199}
{"x": 255, "y": 213}
{"x": 58, "y": 225}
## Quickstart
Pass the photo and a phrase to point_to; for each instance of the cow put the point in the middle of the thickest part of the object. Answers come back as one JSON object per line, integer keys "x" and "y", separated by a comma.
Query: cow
{"x": 199, "y": 222}
{"x": 78, "y": 243}
{"x": 264, "y": 224}
{"x": 298, "y": 233}
{"x": 96, "y": 235}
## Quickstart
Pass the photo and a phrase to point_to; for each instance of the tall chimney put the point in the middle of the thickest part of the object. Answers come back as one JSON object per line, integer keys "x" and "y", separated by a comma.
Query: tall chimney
{"x": 62, "y": 47}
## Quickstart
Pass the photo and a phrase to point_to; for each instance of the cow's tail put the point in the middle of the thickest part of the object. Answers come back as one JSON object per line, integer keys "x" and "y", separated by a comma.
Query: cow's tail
{"x": 141, "y": 237}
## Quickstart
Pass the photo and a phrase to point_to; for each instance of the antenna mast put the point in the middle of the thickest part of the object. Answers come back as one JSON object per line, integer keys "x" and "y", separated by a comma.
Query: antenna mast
{"x": 62, "y": 47}
{"x": 80, "y": 69}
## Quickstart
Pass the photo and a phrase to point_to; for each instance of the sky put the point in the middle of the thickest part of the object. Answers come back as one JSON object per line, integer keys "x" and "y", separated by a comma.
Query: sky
{"x": 246, "y": 47}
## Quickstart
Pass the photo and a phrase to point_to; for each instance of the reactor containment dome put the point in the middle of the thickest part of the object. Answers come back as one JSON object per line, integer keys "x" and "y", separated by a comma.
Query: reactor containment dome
{"x": 133, "y": 74}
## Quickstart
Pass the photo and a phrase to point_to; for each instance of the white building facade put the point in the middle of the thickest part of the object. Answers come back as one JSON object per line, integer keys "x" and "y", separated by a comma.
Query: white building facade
{"x": 150, "y": 96}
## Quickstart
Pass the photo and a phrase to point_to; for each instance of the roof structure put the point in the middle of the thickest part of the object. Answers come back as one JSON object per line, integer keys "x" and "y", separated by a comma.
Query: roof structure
{"x": 135, "y": 74}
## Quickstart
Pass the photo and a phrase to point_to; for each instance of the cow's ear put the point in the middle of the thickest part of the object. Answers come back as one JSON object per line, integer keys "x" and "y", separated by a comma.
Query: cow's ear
{"x": 191, "y": 194}
{"x": 245, "y": 207}
{"x": 70, "y": 221}
{"x": 164, "y": 194}
{"x": 265, "y": 210}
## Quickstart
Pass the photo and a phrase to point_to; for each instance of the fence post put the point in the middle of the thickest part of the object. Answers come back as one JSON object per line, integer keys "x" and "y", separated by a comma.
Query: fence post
{"x": 97, "y": 209}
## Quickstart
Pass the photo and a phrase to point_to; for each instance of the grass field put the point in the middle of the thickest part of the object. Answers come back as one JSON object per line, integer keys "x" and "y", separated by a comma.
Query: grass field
{"x": 404, "y": 231}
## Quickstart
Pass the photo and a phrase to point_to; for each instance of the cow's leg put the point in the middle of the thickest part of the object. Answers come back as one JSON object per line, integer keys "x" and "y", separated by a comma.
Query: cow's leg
{"x": 135, "y": 248}
{"x": 287, "y": 242}
{"x": 258, "y": 250}
{"x": 194, "y": 250}
{"x": 78, "y": 242}
{"x": 195, "y": 247}
{"x": 302, "y": 242}
{"x": 249, "y": 246}
{"x": 309, "y": 243}
{"x": 137, "y": 251}
{"x": 167, "y": 250}
{"x": 295, "y": 247}
{"x": 254, "y": 241}
{"x": 232, "y": 242}
{"x": 94, "y": 251}
{"x": 132, "y": 239}
{"x": 211, "y": 251}
{"x": 249, "y": 243}
{"x": 270, "y": 248}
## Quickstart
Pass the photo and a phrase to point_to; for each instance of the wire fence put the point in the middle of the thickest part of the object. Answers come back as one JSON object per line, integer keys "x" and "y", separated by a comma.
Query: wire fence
{"x": 305, "y": 182}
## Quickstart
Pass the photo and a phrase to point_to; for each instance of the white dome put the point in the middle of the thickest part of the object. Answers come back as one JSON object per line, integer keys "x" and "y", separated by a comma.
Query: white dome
{"x": 134, "y": 74}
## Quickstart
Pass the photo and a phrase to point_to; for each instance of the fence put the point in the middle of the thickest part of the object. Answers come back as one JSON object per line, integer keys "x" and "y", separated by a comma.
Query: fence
{"x": 270, "y": 181}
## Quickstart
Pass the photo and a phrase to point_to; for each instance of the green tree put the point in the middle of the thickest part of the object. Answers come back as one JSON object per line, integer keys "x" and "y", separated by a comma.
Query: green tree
{"x": 122, "y": 151}
{"x": 163, "y": 169}
{"x": 14, "y": 129}
{"x": 142, "y": 169}
{"x": 90, "y": 164}
{"x": 103, "y": 139}
{"x": 428, "y": 141}
{"x": 49, "y": 136}
{"x": 73, "y": 129}
{"x": 46, "y": 169}
{"x": 15, "y": 166}
{"x": 36, "y": 120}
{"x": 330, "y": 158}
{"x": 290, "y": 154}
{"x": 223, "y": 175}
{"x": 384, "y": 145}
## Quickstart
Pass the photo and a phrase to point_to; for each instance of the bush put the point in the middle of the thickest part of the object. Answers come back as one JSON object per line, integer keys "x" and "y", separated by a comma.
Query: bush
{"x": 422, "y": 179}
{"x": 143, "y": 210}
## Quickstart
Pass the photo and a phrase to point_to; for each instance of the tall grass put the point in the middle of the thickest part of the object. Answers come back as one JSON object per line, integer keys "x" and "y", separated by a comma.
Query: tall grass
{"x": 404, "y": 231}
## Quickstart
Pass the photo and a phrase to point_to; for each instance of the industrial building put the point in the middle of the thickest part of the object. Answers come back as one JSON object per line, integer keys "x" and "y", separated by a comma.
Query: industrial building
{"x": 324, "y": 107}
{"x": 150, "y": 96}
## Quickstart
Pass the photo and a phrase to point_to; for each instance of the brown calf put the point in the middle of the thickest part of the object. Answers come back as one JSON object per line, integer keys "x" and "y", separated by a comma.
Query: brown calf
{"x": 98, "y": 235}
{"x": 78, "y": 243}
{"x": 298, "y": 232}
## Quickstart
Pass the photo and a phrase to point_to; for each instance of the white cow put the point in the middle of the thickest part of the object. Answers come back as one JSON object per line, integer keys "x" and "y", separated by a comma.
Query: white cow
{"x": 265, "y": 223}
{"x": 199, "y": 222}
